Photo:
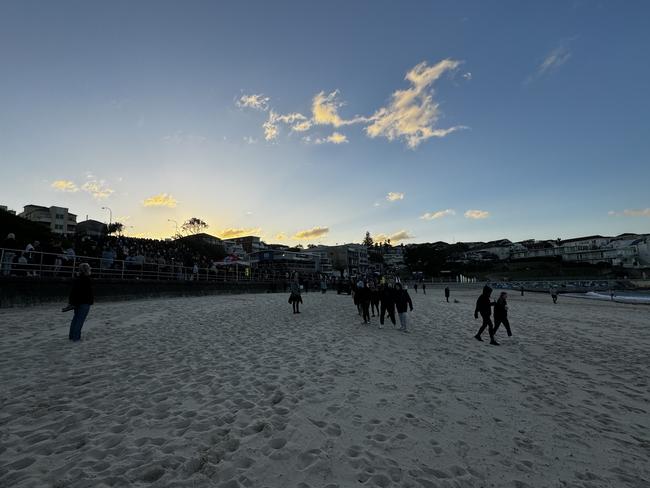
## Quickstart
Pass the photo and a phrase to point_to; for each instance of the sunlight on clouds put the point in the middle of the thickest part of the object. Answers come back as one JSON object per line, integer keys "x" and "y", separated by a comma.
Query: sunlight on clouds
{"x": 402, "y": 235}
{"x": 412, "y": 113}
{"x": 257, "y": 102}
{"x": 161, "y": 200}
{"x": 631, "y": 212}
{"x": 477, "y": 214}
{"x": 312, "y": 233}
{"x": 233, "y": 232}
{"x": 393, "y": 196}
{"x": 97, "y": 189}
{"x": 64, "y": 185}
{"x": 271, "y": 129}
{"x": 438, "y": 215}
{"x": 280, "y": 236}
{"x": 334, "y": 138}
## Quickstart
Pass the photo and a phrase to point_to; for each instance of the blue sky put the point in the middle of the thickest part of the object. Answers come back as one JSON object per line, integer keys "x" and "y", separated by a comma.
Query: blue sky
{"x": 532, "y": 116}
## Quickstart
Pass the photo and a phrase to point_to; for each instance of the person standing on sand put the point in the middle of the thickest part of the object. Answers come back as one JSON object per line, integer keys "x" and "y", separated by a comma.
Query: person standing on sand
{"x": 501, "y": 313}
{"x": 424, "y": 288}
{"x": 416, "y": 287}
{"x": 553, "y": 292}
{"x": 447, "y": 293}
{"x": 374, "y": 299}
{"x": 295, "y": 299}
{"x": 484, "y": 307}
{"x": 387, "y": 304}
{"x": 363, "y": 293}
{"x": 80, "y": 300}
{"x": 402, "y": 303}
{"x": 522, "y": 291}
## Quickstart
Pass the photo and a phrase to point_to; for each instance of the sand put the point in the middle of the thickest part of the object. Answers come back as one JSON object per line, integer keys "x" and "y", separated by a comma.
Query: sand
{"x": 233, "y": 391}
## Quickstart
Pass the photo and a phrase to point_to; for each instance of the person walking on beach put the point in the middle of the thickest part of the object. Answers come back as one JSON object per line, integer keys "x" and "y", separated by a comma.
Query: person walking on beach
{"x": 416, "y": 287}
{"x": 484, "y": 307}
{"x": 402, "y": 303}
{"x": 522, "y": 291}
{"x": 447, "y": 293}
{"x": 374, "y": 299}
{"x": 295, "y": 299}
{"x": 80, "y": 299}
{"x": 387, "y": 304}
{"x": 323, "y": 286}
{"x": 424, "y": 288}
{"x": 501, "y": 313}
{"x": 553, "y": 292}
{"x": 363, "y": 293}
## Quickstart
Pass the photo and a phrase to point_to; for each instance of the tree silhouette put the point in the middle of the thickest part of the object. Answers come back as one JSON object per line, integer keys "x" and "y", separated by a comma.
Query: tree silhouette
{"x": 115, "y": 228}
{"x": 194, "y": 226}
{"x": 367, "y": 241}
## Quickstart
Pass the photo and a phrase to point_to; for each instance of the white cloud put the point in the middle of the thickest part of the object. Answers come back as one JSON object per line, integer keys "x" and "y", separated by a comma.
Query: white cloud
{"x": 280, "y": 236}
{"x": 551, "y": 62}
{"x": 393, "y": 196}
{"x": 477, "y": 214}
{"x": 312, "y": 233}
{"x": 271, "y": 126}
{"x": 257, "y": 102}
{"x": 334, "y": 138}
{"x": 160, "y": 200}
{"x": 632, "y": 212}
{"x": 412, "y": 113}
{"x": 64, "y": 185}
{"x": 401, "y": 235}
{"x": 325, "y": 108}
{"x": 438, "y": 214}
{"x": 97, "y": 189}
{"x": 467, "y": 76}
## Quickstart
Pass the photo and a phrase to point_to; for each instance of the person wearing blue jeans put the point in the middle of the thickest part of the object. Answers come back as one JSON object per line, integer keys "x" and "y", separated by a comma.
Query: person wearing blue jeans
{"x": 81, "y": 298}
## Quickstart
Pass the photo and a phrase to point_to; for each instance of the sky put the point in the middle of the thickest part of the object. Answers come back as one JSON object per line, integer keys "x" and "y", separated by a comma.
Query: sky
{"x": 314, "y": 122}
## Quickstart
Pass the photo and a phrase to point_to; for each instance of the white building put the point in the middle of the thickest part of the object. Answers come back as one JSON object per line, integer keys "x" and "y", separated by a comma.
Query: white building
{"x": 57, "y": 219}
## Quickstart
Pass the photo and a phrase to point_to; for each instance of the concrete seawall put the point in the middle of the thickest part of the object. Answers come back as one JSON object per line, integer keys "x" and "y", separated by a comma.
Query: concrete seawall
{"x": 21, "y": 292}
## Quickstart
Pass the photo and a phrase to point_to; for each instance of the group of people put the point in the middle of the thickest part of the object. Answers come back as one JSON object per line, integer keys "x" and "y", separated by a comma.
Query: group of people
{"x": 385, "y": 299}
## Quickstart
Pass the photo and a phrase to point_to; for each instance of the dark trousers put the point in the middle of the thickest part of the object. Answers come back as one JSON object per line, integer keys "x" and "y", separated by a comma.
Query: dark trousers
{"x": 374, "y": 306}
{"x": 501, "y": 320}
{"x": 366, "y": 311}
{"x": 487, "y": 322}
{"x": 78, "y": 319}
{"x": 391, "y": 313}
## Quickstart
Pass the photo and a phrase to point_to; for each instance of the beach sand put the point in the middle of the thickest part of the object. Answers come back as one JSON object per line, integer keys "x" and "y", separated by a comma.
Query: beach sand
{"x": 236, "y": 391}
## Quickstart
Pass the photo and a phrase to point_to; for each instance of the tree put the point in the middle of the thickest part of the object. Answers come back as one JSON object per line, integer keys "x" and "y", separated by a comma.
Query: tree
{"x": 194, "y": 226}
{"x": 367, "y": 241}
{"x": 115, "y": 228}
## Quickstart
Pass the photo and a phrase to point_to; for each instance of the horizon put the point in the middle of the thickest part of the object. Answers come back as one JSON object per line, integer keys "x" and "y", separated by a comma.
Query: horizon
{"x": 419, "y": 122}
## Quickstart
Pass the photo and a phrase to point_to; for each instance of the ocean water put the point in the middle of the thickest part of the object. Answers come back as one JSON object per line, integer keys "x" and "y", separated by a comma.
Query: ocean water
{"x": 641, "y": 297}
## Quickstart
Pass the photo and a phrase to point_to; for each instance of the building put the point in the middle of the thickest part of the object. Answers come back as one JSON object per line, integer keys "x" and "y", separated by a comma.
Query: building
{"x": 250, "y": 244}
{"x": 91, "y": 228}
{"x": 286, "y": 263}
{"x": 347, "y": 259}
{"x": 4, "y": 208}
{"x": 57, "y": 219}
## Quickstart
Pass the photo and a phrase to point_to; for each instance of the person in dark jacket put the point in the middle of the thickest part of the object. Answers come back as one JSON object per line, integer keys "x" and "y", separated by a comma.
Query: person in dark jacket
{"x": 484, "y": 307}
{"x": 387, "y": 298}
{"x": 424, "y": 288}
{"x": 374, "y": 299}
{"x": 81, "y": 298}
{"x": 402, "y": 303}
{"x": 447, "y": 294}
{"x": 295, "y": 299}
{"x": 363, "y": 295}
{"x": 501, "y": 313}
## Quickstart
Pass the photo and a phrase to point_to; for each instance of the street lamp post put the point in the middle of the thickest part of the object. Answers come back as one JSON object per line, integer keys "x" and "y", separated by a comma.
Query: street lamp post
{"x": 110, "y": 215}
{"x": 175, "y": 223}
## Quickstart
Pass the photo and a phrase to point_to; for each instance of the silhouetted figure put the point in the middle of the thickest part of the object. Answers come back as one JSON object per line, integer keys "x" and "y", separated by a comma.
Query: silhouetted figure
{"x": 402, "y": 303}
{"x": 363, "y": 297}
{"x": 295, "y": 299}
{"x": 374, "y": 299}
{"x": 501, "y": 313}
{"x": 424, "y": 288}
{"x": 522, "y": 291}
{"x": 387, "y": 298}
{"x": 484, "y": 307}
{"x": 553, "y": 292}
{"x": 447, "y": 293}
{"x": 416, "y": 287}
{"x": 80, "y": 299}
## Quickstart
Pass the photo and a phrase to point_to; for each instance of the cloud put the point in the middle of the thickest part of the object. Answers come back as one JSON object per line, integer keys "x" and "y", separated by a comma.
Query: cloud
{"x": 551, "y": 62}
{"x": 412, "y": 113}
{"x": 280, "y": 236}
{"x": 334, "y": 138}
{"x": 231, "y": 232}
{"x": 97, "y": 189}
{"x": 250, "y": 140}
{"x": 632, "y": 212}
{"x": 393, "y": 196}
{"x": 438, "y": 215}
{"x": 477, "y": 214}
{"x": 64, "y": 185}
{"x": 312, "y": 233}
{"x": 402, "y": 235}
{"x": 160, "y": 200}
{"x": 256, "y": 102}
